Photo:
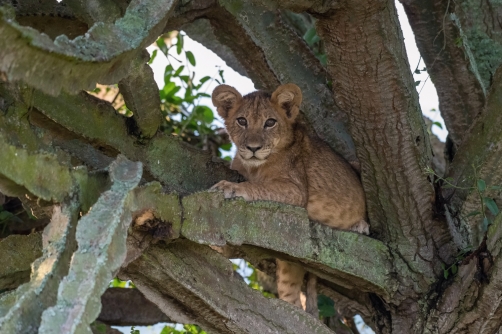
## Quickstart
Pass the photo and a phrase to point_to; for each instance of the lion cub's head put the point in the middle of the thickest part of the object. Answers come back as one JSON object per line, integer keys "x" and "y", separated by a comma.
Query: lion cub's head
{"x": 259, "y": 124}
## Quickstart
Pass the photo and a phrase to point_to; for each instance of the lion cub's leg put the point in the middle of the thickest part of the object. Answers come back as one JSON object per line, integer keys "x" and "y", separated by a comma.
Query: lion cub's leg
{"x": 289, "y": 281}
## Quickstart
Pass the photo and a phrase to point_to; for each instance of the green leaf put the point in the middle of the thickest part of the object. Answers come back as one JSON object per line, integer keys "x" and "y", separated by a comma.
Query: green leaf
{"x": 190, "y": 58}
{"x": 310, "y": 36}
{"x": 439, "y": 125}
{"x": 185, "y": 78}
{"x": 208, "y": 116}
{"x": 491, "y": 205}
{"x": 495, "y": 188}
{"x": 326, "y": 306}
{"x": 454, "y": 269}
{"x": 220, "y": 72}
{"x": 206, "y": 78}
{"x": 152, "y": 57}
{"x": 481, "y": 185}
{"x": 179, "y": 44}
{"x": 446, "y": 273}
{"x": 162, "y": 46}
{"x": 417, "y": 83}
{"x": 226, "y": 147}
{"x": 178, "y": 71}
{"x": 473, "y": 213}
{"x": 486, "y": 222}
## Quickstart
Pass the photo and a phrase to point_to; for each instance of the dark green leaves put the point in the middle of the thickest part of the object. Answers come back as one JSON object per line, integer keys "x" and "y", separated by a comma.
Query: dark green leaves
{"x": 185, "y": 115}
{"x": 179, "y": 44}
{"x": 326, "y": 306}
{"x": 481, "y": 185}
{"x": 190, "y": 57}
{"x": 491, "y": 205}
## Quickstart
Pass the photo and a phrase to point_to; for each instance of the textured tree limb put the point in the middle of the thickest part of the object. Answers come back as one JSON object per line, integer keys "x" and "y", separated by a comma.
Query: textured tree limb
{"x": 335, "y": 255}
{"x": 460, "y": 92}
{"x": 20, "y": 310}
{"x": 190, "y": 171}
{"x": 477, "y": 158}
{"x": 102, "y": 55}
{"x": 472, "y": 301}
{"x": 204, "y": 283}
{"x": 141, "y": 96}
{"x": 101, "y": 250}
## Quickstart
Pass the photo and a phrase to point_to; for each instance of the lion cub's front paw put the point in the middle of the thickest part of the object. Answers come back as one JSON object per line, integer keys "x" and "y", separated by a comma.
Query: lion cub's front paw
{"x": 361, "y": 227}
{"x": 230, "y": 189}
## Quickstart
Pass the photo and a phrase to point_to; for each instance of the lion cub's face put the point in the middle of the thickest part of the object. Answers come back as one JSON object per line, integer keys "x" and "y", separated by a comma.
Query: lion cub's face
{"x": 259, "y": 124}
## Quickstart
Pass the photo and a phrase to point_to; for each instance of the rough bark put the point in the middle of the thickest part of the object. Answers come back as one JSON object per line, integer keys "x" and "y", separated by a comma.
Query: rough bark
{"x": 461, "y": 95}
{"x": 478, "y": 159}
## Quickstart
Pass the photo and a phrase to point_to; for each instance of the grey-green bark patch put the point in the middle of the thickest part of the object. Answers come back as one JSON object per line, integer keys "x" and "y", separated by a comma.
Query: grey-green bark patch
{"x": 184, "y": 168}
{"x": 103, "y": 54}
{"x": 20, "y": 311}
{"x": 17, "y": 253}
{"x": 141, "y": 95}
{"x": 482, "y": 34}
{"x": 41, "y": 173}
{"x": 343, "y": 256}
{"x": 101, "y": 237}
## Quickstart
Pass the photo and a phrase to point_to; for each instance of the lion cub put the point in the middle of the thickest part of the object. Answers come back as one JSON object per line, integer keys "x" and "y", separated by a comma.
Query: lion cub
{"x": 282, "y": 163}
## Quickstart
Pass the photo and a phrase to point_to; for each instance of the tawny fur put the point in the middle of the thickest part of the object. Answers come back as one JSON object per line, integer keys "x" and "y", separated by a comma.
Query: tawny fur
{"x": 282, "y": 163}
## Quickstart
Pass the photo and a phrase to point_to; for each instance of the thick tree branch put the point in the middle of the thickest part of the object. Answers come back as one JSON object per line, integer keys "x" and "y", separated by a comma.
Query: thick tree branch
{"x": 101, "y": 250}
{"x": 178, "y": 165}
{"x": 204, "y": 283}
{"x": 102, "y": 55}
{"x": 472, "y": 301}
{"x": 338, "y": 256}
{"x": 141, "y": 95}
{"x": 460, "y": 93}
{"x": 477, "y": 158}
{"x": 21, "y": 310}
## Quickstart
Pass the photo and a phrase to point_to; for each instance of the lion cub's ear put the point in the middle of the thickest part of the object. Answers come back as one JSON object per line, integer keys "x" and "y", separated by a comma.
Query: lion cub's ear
{"x": 225, "y": 98}
{"x": 288, "y": 98}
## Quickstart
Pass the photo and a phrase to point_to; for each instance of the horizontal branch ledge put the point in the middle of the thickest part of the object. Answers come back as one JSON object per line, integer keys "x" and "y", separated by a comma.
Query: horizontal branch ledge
{"x": 360, "y": 261}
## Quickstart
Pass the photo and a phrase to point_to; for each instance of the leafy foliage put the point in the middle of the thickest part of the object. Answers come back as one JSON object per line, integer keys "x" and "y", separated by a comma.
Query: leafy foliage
{"x": 187, "y": 329}
{"x": 326, "y": 306}
{"x": 184, "y": 115}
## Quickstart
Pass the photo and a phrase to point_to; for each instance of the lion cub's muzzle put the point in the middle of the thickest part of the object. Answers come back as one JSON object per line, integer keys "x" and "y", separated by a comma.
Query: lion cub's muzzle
{"x": 254, "y": 155}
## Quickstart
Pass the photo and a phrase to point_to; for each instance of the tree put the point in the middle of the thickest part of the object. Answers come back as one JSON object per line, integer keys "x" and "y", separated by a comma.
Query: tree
{"x": 431, "y": 263}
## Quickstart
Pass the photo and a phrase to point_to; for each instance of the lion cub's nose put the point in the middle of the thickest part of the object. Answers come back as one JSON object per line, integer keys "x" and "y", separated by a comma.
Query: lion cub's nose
{"x": 253, "y": 149}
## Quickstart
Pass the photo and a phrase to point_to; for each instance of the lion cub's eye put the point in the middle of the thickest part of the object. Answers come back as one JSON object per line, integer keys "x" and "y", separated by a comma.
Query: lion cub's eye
{"x": 270, "y": 123}
{"x": 242, "y": 121}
